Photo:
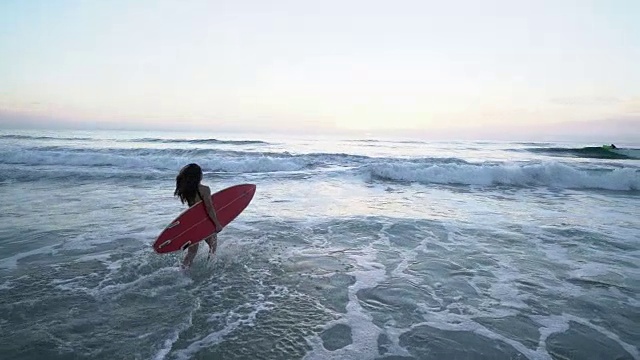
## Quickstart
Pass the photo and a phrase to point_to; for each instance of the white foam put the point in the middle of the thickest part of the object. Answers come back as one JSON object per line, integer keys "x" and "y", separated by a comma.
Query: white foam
{"x": 102, "y": 257}
{"x": 550, "y": 325}
{"x": 453, "y": 322}
{"x": 6, "y": 285}
{"x": 234, "y": 320}
{"x": 505, "y": 289}
{"x": 393, "y": 335}
{"x": 406, "y": 257}
{"x": 590, "y": 270}
{"x": 173, "y": 337}
{"x": 364, "y": 332}
{"x": 73, "y": 285}
{"x": 551, "y": 174}
{"x": 560, "y": 323}
{"x": 117, "y": 290}
{"x": 11, "y": 262}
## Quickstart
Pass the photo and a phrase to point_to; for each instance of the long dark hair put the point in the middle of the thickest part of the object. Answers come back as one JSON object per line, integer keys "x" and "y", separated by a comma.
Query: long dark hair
{"x": 187, "y": 183}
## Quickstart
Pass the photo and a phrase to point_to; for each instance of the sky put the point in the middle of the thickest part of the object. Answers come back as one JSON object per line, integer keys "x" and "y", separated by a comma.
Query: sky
{"x": 453, "y": 69}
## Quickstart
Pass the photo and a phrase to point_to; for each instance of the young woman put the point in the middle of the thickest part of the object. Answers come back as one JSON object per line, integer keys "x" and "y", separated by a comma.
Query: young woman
{"x": 190, "y": 190}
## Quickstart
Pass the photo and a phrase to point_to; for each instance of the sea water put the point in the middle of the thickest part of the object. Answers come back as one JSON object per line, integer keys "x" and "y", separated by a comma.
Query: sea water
{"x": 352, "y": 248}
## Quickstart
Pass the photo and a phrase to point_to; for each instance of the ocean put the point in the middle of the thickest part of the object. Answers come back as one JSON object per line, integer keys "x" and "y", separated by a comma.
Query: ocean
{"x": 352, "y": 248}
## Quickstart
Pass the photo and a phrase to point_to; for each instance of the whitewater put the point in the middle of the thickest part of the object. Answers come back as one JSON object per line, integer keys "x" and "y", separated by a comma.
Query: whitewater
{"x": 353, "y": 248}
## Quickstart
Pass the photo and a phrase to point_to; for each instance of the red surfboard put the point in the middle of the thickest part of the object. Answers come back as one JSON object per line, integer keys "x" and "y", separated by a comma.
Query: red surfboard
{"x": 194, "y": 224}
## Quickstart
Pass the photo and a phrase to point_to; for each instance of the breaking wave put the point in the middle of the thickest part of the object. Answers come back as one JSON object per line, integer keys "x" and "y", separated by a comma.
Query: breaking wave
{"x": 107, "y": 163}
{"x": 552, "y": 174}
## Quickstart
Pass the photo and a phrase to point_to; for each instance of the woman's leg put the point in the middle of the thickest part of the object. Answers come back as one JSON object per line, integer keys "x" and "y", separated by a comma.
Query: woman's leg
{"x": 212, "y": 241}
{"x": 191, "y": 253}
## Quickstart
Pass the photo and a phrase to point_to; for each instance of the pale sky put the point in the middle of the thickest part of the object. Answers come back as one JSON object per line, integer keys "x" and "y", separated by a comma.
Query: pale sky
{"x": 442, "y": 67}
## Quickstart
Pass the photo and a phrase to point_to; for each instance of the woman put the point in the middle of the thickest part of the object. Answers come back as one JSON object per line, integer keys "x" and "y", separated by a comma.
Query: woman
{"x": 189, "y": 190}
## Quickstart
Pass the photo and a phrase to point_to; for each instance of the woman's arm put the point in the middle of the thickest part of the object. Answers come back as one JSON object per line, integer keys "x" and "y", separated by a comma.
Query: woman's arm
{"x": 206, "y": 198}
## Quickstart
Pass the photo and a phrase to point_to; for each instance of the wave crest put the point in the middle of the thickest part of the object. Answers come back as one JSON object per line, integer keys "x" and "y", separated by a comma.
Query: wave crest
{"x": 590, "y": 152}
{"x": 542, "y": 174}
{"x": 152, "y": 159}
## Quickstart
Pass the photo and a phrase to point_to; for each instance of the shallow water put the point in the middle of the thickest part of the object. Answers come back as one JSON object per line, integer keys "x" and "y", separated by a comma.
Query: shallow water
{"x": 350, "y": 250}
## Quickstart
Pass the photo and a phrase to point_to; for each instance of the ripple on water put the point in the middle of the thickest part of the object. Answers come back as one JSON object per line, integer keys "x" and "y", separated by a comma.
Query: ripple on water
{"x": 582, "y": 342}
{"x": 336, "y": 337}
{"x": 426, "y": 342}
